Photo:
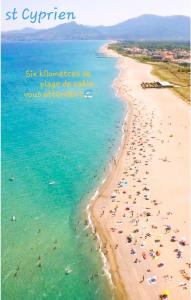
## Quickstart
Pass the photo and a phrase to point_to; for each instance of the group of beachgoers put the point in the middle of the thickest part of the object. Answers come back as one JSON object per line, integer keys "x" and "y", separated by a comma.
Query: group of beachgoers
{"x": 135, "y": 214}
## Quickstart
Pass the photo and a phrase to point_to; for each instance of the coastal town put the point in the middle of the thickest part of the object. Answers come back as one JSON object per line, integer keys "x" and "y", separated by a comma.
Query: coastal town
{"x": 176, "y": 55}
{"x": 155, "y": 51}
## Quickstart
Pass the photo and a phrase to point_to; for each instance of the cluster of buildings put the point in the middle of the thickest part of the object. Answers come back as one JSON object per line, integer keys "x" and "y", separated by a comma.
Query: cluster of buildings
{"x": 176, "y": 55}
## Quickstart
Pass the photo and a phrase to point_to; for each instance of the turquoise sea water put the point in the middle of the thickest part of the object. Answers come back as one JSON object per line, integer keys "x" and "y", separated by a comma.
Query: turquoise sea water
{"x": 66, "y": 141}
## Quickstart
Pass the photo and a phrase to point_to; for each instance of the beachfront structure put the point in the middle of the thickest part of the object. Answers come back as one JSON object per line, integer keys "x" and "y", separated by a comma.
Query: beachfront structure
{"x": 156, "y": 84}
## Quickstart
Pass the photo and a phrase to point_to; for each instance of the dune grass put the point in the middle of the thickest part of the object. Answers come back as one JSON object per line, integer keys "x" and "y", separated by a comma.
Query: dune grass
{"x": 175, "y": 74}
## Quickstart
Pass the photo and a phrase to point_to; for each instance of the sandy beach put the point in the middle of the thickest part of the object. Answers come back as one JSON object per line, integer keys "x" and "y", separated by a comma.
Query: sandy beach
{"x": 142, "y": 210}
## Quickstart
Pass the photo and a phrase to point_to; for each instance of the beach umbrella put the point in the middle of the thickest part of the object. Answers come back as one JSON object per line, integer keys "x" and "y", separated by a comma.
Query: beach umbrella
{"x": 165, "y": 293}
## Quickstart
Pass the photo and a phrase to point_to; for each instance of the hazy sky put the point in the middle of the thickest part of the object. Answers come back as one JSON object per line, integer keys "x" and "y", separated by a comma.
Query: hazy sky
{"x": 93, "y": 12}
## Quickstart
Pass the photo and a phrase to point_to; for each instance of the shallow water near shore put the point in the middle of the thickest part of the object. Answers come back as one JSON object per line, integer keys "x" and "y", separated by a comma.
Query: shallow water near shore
{"x": 69, "y": 142}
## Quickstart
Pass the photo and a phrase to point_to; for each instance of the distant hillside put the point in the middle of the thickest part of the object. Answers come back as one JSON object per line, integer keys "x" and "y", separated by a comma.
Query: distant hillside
{"x": 145, "y": 27}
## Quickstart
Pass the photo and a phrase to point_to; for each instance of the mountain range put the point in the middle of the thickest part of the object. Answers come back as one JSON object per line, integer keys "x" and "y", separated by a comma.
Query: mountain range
{"x": 145, "y": 27}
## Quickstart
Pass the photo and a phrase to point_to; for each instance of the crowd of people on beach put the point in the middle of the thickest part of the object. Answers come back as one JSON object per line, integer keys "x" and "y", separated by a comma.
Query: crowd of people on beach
{"x": 139, "y": 218}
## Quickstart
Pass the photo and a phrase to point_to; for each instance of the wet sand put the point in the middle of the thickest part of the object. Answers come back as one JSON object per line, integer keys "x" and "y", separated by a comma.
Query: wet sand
{"x": 142, "y": 210}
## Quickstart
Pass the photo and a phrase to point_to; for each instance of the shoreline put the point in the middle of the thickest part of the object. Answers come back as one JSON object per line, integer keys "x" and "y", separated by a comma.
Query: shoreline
{"x": 109, "y": 260}
{"x": 121, "y": 289}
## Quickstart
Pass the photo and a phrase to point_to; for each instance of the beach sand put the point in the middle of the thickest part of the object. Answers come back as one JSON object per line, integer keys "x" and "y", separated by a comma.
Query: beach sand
{"x": 142, "y": 210}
